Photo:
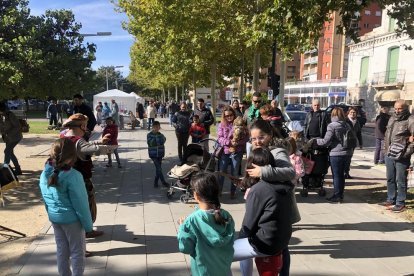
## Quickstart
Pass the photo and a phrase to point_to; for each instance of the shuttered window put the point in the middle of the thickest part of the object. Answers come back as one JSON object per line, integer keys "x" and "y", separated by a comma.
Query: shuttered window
{"x": 392, "y": 65}
{"x": 363, "y": 73}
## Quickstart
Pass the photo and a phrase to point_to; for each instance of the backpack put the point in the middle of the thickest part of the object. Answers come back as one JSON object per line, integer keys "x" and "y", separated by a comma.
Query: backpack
{"x": 349, "y": 139}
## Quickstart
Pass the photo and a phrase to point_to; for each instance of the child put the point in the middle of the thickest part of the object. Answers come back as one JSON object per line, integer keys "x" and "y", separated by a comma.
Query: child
{"x": 266, "y": 228}
{"x": 112, "y": 129}
{"x": 197, "y": 130}
{"x": 207, "y": 235}
{"x": 64, "y": 193}
{"x": 156, "y": 151}
{"x": 240, "y": 133}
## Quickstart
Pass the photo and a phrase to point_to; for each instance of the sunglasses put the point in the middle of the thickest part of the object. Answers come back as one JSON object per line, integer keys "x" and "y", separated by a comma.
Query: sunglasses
{"x": 257, "y": 102}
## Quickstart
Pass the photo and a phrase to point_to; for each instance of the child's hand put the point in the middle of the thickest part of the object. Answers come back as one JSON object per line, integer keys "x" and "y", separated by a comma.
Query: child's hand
{"x": 255, "y": 172}
{"x": 106, "y": 138}
{"x": 181, "y": 220}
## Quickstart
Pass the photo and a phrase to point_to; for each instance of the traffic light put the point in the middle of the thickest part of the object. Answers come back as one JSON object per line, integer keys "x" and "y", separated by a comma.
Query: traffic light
{"x": 275, "y": 83}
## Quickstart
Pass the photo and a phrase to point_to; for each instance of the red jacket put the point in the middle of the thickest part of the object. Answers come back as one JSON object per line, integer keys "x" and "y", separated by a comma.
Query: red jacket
{"x": 113, "y": 130}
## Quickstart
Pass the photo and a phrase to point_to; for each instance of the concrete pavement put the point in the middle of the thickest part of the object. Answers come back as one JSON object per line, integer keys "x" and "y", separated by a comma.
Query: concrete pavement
{"x": 353, "y": 238}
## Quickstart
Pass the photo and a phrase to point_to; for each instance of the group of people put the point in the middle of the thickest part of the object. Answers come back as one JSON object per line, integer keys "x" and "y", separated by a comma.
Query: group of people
{"x": 269, "y": 179}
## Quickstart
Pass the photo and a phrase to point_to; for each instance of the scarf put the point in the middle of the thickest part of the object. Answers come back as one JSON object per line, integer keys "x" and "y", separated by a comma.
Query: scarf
{"x": 353, "y": 121}
{"x": 402, "y": 116}
{"x": 254, "y": 113}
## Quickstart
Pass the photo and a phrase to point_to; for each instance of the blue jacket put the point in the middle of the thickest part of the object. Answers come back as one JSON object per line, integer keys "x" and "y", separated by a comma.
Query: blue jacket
{"x": 209, "y": 244}
{"x": 156, "y": 141}
{"x": 68, "y": 201}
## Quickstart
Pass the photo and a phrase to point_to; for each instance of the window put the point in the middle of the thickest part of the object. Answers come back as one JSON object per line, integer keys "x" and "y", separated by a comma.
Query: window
{"x": 291, "y": 69}
{"x": 366, "y": 25}
{"x": 326, "y": 76}
{"x": 367, "y": 12}
{"x": 378, "y": 13}
{"x": 363, "y": 72}
{"x": 391, "y": 25}
{"x": 392, "y": 64}
{"x": 208, "y": 96}
{"x": 327, "y": 64}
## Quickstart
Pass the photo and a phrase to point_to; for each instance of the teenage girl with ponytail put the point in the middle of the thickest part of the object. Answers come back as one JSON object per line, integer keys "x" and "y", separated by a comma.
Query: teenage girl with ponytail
{"x": 64, "y": 193}
{"x": 207, "y": 235}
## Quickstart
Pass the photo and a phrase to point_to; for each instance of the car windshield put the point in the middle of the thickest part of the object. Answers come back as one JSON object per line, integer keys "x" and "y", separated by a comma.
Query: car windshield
{"x": 297, "y": 116}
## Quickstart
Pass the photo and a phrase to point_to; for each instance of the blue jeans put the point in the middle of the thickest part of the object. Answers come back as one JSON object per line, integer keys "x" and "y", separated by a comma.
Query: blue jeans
{"x": 379, "y": 152}
{"x": 348, "y": 162}
{"x": 9, "y": 154}
{"x": 150, "y": 122}
{"x": 338, "y": 170}
{"x": 158, "y": 170}
{"x": 245, "y": 253}
{"x": 170, "y": 117}
{"x": 397, "y": 180}
{"x": 234, "y": 160}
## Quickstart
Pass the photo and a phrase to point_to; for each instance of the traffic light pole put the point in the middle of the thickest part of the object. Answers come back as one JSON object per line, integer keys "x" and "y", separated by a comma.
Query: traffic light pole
{"x": 282, "y": 84}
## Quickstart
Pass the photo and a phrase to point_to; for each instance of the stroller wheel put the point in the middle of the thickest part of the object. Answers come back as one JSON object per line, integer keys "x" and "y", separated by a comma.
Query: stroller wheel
{"x": 304, "y": 193}
{"x": 184, "y": 198}
{"x": 170, "y": 194}
{"x": 322, "y": 192}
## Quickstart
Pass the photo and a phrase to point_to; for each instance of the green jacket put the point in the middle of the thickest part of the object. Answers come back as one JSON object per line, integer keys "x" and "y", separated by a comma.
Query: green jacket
{"x": 209, "y": 244}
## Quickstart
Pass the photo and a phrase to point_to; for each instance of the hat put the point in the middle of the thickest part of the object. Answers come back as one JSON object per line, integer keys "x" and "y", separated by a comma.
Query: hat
{"x": 75, "y": 120}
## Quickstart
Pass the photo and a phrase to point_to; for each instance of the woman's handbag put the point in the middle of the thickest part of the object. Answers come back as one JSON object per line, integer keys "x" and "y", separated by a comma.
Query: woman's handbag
{"x": 396, "y": 151}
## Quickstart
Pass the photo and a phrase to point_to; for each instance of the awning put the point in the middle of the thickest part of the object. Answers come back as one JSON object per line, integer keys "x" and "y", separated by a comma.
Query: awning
{"x": 387, "y": 95}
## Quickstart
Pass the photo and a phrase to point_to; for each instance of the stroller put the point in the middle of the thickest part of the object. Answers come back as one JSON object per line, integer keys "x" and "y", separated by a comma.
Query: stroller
{"x": 316, "y": 178}
{"x": 196, "y": 158}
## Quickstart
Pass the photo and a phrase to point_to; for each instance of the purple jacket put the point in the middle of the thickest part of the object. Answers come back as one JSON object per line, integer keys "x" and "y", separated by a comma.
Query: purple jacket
{"x": 224, "y": 136}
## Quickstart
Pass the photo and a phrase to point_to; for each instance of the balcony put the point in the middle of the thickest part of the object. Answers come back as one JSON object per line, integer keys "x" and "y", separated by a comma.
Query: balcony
{"x": 389, "y": 78}
{"x": 311, "y": 60}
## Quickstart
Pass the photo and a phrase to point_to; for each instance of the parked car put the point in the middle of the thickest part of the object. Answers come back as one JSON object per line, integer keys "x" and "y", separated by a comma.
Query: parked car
{"x": 295, "y": 120}
{"x": 297, "y": 107}
{"x": 361, "y": 116}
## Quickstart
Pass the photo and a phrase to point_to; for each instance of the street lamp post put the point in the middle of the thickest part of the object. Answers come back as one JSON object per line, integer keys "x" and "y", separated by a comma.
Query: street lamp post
{"x": 97, "y": 34}
{"x": 106, "y": 73}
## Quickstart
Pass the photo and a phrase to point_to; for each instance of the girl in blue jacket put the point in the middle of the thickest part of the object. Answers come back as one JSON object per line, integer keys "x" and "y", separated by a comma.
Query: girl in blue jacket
{"x": 207, "y": 235}
{"x": 66, "y": 201}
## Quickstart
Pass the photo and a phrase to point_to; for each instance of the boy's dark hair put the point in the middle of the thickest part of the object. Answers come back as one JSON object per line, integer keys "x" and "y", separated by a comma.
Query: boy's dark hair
{"x": 111, "y": 119}
{"x": 196, "y": 116}
{"x": 207, "y": 188}
{"x": 78, "y": 96}
{"x": 201, "y": 100}
{"x": 156, "y": 123}
{"x": 260, "y": 157}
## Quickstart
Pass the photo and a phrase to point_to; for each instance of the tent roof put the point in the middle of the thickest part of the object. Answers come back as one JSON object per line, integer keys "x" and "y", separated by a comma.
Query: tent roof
{"x": 135, "y": 95}
{"x": 114, "y": 93}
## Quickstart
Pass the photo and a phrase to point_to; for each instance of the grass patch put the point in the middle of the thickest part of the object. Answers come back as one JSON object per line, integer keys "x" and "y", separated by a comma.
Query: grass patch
{"x": 39, "y": 127}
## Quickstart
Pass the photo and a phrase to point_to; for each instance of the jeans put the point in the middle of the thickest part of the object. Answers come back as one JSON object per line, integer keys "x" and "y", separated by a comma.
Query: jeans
{"x": 379, "y": 152}
{"x": 158, "y": 170}
{"x": 245, "y": 253}
{"x": 70, "y": 243}
{"x": 116, "y": 156}
{"x": 338, "y": 170}
{"x": 397, "y": 180}
{"x": 53, "y": 120}
{"x": 234, "y": 160}
{"x": 182, "y": 143}
{"x": 348, "y": 162}
{"x": 170, "y": 117}
{"x": 150, "y": 122}
{"x": 9, "y": 154}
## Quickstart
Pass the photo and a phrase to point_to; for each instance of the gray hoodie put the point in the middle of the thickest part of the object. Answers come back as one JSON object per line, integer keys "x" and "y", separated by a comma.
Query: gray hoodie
{"x": 333, "y": 138}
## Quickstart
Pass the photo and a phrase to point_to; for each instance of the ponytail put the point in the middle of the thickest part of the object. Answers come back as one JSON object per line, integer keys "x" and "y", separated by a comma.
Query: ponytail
{"x": 53, "y": 179}
{"x": 217, "y": 214}
{"x": 62, "y": 153}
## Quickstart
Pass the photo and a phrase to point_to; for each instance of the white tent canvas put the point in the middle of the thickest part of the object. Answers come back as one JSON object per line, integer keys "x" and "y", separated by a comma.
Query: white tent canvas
{"x": 125, "y": 101}
{"x": 139, "y": 98}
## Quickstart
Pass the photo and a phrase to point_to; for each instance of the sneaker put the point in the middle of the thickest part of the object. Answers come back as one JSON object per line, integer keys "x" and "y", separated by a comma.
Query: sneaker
{"x": 108, "y": 165}
{"x": 155, "y": 185}
{"x": 333, "y": 199}
{"x": 386, "y": 203}
{"x": 398, "y": 208}
{"x": 347, "y": 176}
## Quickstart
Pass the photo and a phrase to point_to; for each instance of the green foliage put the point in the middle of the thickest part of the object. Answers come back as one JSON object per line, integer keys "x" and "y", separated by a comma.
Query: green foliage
{"x": 42, "y": 55}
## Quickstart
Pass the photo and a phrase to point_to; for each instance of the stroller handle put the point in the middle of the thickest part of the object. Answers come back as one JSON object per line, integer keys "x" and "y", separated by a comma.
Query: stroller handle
{"x": 208, "y": 139}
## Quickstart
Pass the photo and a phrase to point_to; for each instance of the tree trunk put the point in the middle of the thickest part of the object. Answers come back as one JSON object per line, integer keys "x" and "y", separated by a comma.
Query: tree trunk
{"x": 195, "y": 91}
{"x": 241, "y": 88}
{"x": 163, "y": 94}
{"x": 256, "y": 67}
{"x": 213, "y": 71}
{"x": 282, "y": 84}
{"x": 168, "y": 94}
{"x": 176, "y": 93}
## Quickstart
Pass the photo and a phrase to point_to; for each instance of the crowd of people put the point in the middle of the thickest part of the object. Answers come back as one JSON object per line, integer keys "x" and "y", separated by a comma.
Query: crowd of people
{"x": 274, "y": 166}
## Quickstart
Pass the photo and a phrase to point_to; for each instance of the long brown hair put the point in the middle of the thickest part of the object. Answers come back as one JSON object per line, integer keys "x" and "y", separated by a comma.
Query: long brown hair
{"x": 338, "y": 112}
{"x": 62, "y": 154}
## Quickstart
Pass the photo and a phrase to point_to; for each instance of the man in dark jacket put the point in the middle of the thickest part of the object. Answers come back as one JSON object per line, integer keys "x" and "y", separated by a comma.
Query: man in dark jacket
{"x": 206, "y": 118}
{"x": 81, "y": 107}
{"x": 52, "y": 111}
{"x": 381, "y": 122}
{"x": 399, "y": 147}
{"x": 354, "y": 125}
{"x": 181, "y": 123}
{"x": 172, "y": 109}
{"x": 316, "y": 121}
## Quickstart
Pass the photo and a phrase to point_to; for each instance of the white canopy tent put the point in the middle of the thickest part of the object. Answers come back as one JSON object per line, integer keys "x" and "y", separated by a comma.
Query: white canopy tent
{"x": 139, "y": 99}
{"x": 125, "y": 101}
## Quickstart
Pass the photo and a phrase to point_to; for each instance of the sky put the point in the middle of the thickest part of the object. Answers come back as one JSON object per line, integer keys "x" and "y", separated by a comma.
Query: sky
{"x": 96, "y": 16}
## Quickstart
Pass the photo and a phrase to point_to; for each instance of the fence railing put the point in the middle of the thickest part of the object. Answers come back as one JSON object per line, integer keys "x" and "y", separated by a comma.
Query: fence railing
{"x": 389, "y": 77}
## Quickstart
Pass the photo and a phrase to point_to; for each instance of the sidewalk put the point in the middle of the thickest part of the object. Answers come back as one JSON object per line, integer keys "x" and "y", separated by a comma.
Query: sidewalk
{"x": 353, "y": 238}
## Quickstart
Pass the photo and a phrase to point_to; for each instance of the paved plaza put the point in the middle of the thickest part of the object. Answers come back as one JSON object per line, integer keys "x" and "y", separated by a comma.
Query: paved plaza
{"x": 353, "y": 238}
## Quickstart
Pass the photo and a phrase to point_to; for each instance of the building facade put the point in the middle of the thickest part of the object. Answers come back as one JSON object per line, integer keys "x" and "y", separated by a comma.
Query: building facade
{"x": 380, "y": 69}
